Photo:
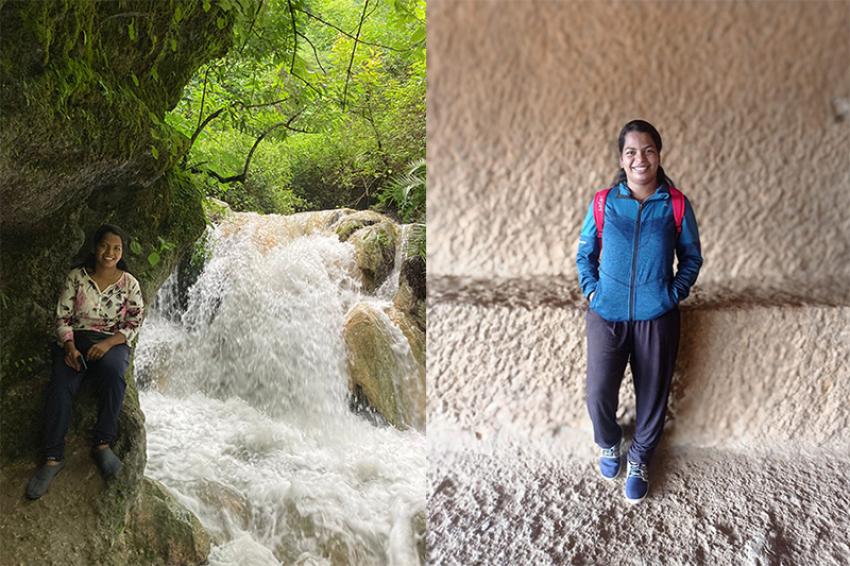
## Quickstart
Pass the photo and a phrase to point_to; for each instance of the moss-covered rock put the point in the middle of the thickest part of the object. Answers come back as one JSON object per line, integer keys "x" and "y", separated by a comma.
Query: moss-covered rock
{"x": 353, "y": 221}
{"x": 374, "y": 252}
{"x": 161, "y": 531}
{"x": 85, "y": 88}
{"x": 410, "y": 297}
{"x": 372, "y": 341}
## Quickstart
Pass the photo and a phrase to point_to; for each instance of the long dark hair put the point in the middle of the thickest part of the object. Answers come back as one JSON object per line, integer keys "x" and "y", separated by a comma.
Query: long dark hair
{"x": 644, "y": 127}
{"x": 104, "y": 229}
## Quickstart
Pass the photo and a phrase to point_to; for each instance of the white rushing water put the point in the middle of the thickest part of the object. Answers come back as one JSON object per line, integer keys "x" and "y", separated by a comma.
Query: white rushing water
{"x": 247, "y": 413}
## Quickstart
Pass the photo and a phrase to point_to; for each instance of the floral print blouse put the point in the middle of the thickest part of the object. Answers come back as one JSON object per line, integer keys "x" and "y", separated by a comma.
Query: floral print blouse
{"x": 83, "y": 306}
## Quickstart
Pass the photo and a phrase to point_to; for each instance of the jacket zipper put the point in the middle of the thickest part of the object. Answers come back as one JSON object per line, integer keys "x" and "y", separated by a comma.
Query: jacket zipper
{"x": 634, "y": 265}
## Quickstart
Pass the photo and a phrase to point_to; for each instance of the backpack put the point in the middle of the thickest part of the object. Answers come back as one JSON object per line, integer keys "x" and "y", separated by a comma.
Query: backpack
{"x": 678, "y": 201}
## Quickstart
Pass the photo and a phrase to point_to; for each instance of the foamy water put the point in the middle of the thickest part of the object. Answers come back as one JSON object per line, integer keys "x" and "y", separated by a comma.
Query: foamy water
{"x": 247, "y": 416}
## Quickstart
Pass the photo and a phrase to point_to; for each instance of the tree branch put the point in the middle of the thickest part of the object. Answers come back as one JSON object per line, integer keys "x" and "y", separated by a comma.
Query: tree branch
{"x": 251, "y": 27}
{"x": 217, "y": 113}
{"x": 315, "y": 53}
{"x": 203, "y": 98}
{"x": 345, "y": 33}
{"x": 353, "y": 51}
{"x": 294, "y": 37}
{"x": 126, "y": 14}
{"x": 244, "y": 174}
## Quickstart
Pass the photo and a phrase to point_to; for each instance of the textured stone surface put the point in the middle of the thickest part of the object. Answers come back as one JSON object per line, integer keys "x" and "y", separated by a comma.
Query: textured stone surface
{"x": 772, "y": 374}
{"x": 547, "y": 506}
{"x": 525, "y": 100}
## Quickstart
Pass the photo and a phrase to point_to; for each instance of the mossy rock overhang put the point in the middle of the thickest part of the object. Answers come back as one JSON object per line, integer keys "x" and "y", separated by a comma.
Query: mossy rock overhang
{"x": 84, "y": 141}
{"x": 85, "y": 87}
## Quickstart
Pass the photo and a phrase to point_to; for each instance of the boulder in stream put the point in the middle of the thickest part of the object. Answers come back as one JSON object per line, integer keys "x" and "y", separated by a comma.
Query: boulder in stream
{"x": 386, "y": 362}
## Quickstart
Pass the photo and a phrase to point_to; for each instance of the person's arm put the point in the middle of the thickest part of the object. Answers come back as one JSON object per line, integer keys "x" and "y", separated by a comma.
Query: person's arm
{"x": 66, "y": 311}
{"x": 65, "y": 315}
{"x": 587, "y": 259}
{"x": 689, "y": 253}
{"x": 133, "y": 310}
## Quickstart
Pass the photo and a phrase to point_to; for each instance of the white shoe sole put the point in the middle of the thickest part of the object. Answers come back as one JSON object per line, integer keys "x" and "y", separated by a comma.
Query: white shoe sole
{"x": 631, "y": 501}
{"x": 612, "y": 478}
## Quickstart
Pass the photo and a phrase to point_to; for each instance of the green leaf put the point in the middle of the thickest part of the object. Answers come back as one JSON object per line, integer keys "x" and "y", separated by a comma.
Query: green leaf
{"x": 220, "y": 23}
{"x": 153, "y": 259}
{"x": 178, "y": 13}
{"x": 135, "y": 247}
{"x": 207, "y": 5}
{"x": 131, "y": 29}
{"x": 154, "y": 152}
{"x": 135, "y": 79}
{"x": 173, "y": 43}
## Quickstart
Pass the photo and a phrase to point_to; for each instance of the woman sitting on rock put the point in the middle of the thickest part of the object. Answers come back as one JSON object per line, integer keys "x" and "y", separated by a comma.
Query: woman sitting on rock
{"x": 97, "y": 317}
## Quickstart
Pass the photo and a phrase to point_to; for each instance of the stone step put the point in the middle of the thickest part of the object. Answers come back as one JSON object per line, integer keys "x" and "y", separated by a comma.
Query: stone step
{"x": 755, "y": 366}
{"x": 705, "y": 506}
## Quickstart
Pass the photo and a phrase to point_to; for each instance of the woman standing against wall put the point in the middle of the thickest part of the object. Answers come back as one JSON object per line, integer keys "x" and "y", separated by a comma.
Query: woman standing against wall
{"x": 640, "y": 223}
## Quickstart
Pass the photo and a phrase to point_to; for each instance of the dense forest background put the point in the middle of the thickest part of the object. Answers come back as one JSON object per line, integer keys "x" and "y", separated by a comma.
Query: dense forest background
{"x": 318, "y": 104}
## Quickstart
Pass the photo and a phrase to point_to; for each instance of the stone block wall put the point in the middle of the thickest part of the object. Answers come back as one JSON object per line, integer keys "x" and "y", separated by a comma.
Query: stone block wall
{"x": 752, "y": 99}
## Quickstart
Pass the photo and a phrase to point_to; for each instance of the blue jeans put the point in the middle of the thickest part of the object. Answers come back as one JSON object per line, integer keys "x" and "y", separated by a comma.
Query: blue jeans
{"x": 650, "y": 348}
{"x": 108, "y": 376}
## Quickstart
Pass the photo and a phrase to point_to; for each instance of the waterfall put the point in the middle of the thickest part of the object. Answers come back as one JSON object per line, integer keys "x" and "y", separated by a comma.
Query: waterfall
{"x": 247, "y": 405}
{"x": 389, "y": 287}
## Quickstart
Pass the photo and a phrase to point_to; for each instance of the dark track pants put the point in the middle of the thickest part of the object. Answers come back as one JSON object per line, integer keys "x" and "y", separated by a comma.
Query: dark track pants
{"x": 650, "y": 348}
{"x": 108, "y": 375}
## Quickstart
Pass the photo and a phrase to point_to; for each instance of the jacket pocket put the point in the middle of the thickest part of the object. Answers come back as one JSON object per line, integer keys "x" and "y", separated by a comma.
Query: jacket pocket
{"x": 672, "y": 292}
{"x": 611, "y": 300}
{"x": 653, "y": 299}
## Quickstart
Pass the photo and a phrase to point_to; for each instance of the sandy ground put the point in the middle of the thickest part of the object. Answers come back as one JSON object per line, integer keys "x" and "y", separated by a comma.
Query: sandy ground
{"x": 753, "y": 468}
{"x": 547, "y": 505}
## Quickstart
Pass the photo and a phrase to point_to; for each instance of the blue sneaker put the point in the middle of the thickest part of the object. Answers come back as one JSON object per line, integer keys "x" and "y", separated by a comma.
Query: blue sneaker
{"x": 609, "y": 461}
{"x": 637, "y": 482}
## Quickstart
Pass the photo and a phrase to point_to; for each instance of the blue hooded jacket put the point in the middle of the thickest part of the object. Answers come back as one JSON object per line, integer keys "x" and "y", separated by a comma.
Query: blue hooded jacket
{"x": 633, "y": 279}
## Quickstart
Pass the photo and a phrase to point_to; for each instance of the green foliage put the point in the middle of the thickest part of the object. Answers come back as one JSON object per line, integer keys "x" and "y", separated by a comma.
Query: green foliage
{"x": 365, "y": 124}
{"x": 156, "y": 254}
{"x": 406, "y": 192}
{"x": 417, "y": 243}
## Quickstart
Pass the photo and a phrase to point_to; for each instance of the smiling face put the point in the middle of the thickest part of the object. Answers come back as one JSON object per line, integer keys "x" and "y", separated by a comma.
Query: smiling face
{"x": 109, "y": 251}
{"x": 640, "y": 160}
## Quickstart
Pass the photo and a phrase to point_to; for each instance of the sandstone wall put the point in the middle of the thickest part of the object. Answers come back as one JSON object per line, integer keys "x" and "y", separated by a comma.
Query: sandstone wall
{"x": 752, "y": 99}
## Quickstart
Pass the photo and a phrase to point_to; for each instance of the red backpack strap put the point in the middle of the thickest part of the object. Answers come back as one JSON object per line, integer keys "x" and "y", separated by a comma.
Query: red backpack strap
{"x": 678, "y": 208}
{"x": 599, "y": 213}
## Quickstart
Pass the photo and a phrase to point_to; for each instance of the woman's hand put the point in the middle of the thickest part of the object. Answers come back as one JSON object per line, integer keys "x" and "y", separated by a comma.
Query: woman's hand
{"x": 72, "y": 356}
{"x": 99, "y": 350}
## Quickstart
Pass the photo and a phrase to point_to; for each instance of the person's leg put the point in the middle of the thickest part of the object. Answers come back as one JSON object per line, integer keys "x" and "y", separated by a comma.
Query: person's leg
{"x": 656, "y": 344}
{"x": 108, "y": 373}
{"x": 607, "y": 354}
{"x": 64, "y": 384}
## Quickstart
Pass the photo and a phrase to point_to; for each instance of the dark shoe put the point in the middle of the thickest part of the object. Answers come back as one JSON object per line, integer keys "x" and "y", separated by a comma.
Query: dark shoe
{"x": 37, "y": 486}
{"x": 637, "y": 483}
{"x": 610, "y": 462}
{"x": 107, "y": 461}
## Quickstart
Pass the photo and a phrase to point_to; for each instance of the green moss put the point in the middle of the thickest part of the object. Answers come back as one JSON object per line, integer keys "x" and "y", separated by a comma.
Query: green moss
{"x": 84, "y": 142}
